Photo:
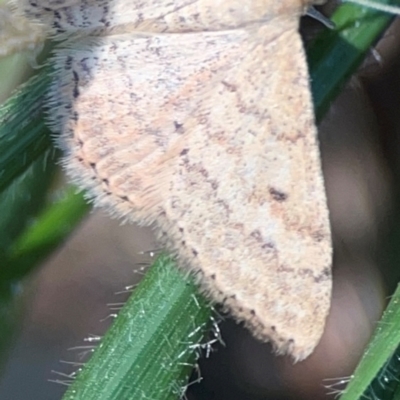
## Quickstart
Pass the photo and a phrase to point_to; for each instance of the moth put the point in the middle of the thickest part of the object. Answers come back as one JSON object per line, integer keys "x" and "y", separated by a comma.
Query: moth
{"x": 195, "y": 116}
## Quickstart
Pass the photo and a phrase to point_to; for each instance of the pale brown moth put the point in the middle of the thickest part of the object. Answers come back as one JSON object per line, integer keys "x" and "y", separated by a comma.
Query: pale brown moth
{"x": 196, "y": 116}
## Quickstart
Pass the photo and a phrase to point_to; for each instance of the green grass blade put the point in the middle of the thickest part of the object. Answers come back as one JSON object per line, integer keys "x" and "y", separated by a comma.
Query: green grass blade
{"x": 53, "y": 225}
{"x": 150, "y": 349}
{"x": 383, "y": 344}
{"x": 23, "y": 135}
{"x": 336, "y": 54}
{"x": 21, "y": 201}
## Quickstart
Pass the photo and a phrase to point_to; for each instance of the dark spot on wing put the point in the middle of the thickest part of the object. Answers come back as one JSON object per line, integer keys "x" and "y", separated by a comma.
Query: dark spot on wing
{"x": 75, "y": 91}
{"x": 277, "y": 195}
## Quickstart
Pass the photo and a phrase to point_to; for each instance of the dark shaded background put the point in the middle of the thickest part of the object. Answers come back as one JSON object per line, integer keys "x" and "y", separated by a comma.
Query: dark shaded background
{"x": 67, "y": 299}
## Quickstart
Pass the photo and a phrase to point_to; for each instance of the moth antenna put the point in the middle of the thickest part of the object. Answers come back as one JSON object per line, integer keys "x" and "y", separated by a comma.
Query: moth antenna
{"x": 314, "y": 13}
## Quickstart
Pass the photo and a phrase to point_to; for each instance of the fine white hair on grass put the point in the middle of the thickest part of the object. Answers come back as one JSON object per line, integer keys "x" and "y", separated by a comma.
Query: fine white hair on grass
{"x": 336, "y": 386}
{"x": 69, "y": 377}
{"x": 115, "y": 306}
{"x": 127, "y": 289}
{"x": 387, "y": 376}
{"x": 92, "y": 338}
{"x": 109, "y": 316}
{"x": 72, "y": 363}
{"x": 215, "y": 327}
{"x": 183, "y": 389}
{"x": 83, "y": 351}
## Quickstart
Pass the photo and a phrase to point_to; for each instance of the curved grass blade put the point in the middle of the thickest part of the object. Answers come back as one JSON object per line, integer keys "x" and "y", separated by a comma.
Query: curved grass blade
{"x": 336, "y": 54}
{"x": 374, "y": 362}
{"x": 152, "y": 346}
{"x": 53, "y": 225}
{"x": 23, "y": 134}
